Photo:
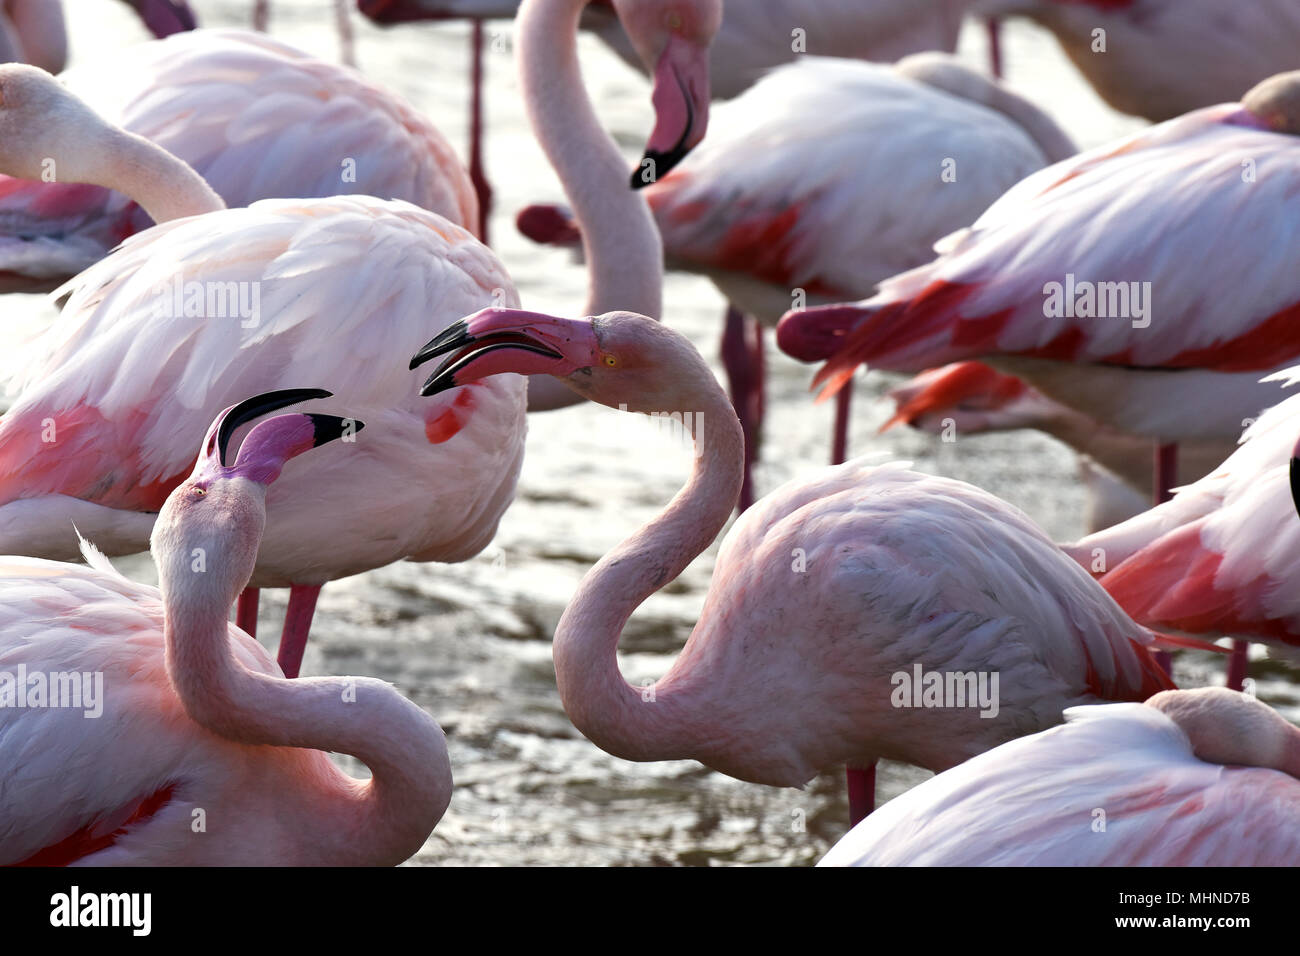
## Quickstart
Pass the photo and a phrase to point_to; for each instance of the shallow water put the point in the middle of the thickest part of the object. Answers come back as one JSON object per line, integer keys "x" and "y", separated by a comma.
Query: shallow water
{"x": 470, "y": 642}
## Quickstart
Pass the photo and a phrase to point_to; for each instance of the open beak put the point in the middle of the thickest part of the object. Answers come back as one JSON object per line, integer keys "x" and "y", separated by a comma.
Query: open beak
{"x": 493, "y": 341}
{"x": 681, "y": 102}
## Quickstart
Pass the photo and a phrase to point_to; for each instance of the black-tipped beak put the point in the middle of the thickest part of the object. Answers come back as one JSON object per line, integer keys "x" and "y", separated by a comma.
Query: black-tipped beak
{"x": 655, "y": 165}
{"x": 450, "y": 339}
{"x": 330, "y": 427}
{"x": 260, "y": 405}
{"x": 1295, "y": 483}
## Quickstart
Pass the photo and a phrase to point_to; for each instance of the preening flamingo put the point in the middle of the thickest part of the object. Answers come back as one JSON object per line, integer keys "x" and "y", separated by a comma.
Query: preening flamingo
{"x": 254, "y": 117}
{"x": 1203, "y": 777}
{"x": 1117, "y": 469}
{"x": 1222, "y": 557}
{"x": 774, "y": 208}
{"x": 823, "y": 593}
{"x": 1162, "y": 58}
{"x": 1127, "y": 282}
{"x": 201, "y": 753}
{"x": 111, "y": 396}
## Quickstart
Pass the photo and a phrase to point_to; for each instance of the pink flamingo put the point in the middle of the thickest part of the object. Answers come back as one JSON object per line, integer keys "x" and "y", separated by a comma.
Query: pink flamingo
{"x": 1183, "y": 272}
{"x": 1215, "y": 560}
{"x": 203, "y": 97}
{"x": 107, "y": 395}
{"x": 1163, "y": 58}
{"x": 772, "y": 207}
{"x": 754, "y": 36}
{"x": 1117, "y": 469}
{"x": 823, "y": 593}
{"x": 1202, "y": 777}
{"x": 34, "y": 31}
{"x": 195, "y": 720}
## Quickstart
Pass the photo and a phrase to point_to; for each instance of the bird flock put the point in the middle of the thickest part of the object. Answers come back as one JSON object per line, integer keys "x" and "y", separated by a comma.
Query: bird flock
{"x": 273, "y": 370}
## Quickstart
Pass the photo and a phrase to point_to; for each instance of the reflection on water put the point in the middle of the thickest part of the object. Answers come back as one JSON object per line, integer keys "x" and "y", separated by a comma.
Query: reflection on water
{"x": 470, "y": 642}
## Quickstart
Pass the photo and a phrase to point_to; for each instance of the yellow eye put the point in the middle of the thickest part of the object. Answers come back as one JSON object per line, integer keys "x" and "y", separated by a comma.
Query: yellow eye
{"x": 199, "y": 492}
{"x": 674, "y": 21}
{"x": 611, "y": 361}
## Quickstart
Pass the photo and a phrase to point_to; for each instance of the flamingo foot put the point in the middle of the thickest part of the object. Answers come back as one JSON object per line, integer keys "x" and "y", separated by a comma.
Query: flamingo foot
{"x": 246, "y": 611}
{"x": 862, "y": 792}
{"x": 297, "y": 622}
{"x": 742, "y": 358}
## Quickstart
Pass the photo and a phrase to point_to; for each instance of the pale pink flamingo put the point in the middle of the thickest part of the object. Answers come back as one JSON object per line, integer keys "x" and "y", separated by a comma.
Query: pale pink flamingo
{"x": 244, "y": 111}
{"x": 110, "y": 397}
{"x": 755, "y": 35}
{"x": 1163, "y": 58}
{"x": 823, "y": 592}
{"x": 1202, "y": 777}
{"x": 1220, "y": 558}
{"x": 1117, "y": 469}
{"x": 774, "y": 208}
{"x": 195, "y": 721}
{"x": 34, "y": 31}
{"x": 1129, "y": 282}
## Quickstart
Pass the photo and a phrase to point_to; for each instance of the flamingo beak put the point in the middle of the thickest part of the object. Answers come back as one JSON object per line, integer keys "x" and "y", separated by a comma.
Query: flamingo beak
{"x": 814, "y": 335}
{"x": 1295, "y": 478}
{"x": 681, "y": 102}
{"x": 270, "y": 444}
{"x": 493, "y": 341}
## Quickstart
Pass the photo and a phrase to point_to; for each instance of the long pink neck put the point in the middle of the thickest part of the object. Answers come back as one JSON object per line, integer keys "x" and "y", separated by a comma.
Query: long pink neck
{"x": 622, "y": 245}
{"x": 659, "y": 722}
{"x": 381, "y": 821}
{"x": 165, "y": 187}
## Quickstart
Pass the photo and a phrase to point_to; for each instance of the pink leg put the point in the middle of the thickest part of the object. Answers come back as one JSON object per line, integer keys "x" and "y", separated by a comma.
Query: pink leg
{"x": 994, "y": 28}
{"x": 840, "y": 436}
{"x": 862, "y": 792}
{"x": 477, "y": 172}
{"x": 742, "y": 348}
{"x": 261, "y": 15}
{"x": 246, "y": 611}
{"x": 297, "y": 622}
{"x": 347, "y": 43}
{"x": 1166, "y": 476}
{"x": 1237, "y": 665}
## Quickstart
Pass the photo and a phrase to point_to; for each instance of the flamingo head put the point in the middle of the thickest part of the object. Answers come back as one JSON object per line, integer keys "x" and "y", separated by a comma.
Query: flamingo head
{"x": 212, "y": 522}
{"x": 1275, "y": 102}
{"x": 619, "y": 359}
{"x": 46, "y": 132}
{"x": 672, "y": 38}
{"x": 1228, "y": 727}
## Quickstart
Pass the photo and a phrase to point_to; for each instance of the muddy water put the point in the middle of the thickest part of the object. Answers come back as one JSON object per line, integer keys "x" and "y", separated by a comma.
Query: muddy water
{"x": 470, "y": 643}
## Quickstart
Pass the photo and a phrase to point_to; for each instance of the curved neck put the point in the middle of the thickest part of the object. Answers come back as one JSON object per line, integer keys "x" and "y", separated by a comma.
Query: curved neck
{"x": 658, "y": 722}
{"x": 381, "y": 821}
{"x": 163, "y": 186}
{"x": 620, "y": 240}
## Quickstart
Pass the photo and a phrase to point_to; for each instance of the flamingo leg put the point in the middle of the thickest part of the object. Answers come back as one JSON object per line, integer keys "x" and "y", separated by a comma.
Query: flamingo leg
{"x": 347, "y": 44}
{"x": 994, "y": 30}
{"x": 297, "y": 622}
{"x": 1166, "y": 476}
{"x": 246, "y": 611}
{"x": 477, "y": 172}
{"x": 840, "y": 435}
{"x": 862, "y": 792}
{"x": 261, "y": 15}
{"x": 1237, "y": 665}
{"x": 742, "y": 358}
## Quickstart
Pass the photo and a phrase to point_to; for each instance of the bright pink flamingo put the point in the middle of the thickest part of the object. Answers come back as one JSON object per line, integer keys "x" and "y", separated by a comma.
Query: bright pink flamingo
{"x": 1163, "y": 58}
{"x": 1220, "y": 558}
{"x": 823, "y": 593}
{"x": 196, "y": 721}
{"x": 1128, "y": 282}
{"x": 1117, "y": 469}
{"x": 205, "y": 98}
{"x": 107, "y": 395}
{"x": 773, "y": 208}
{"x": 1201, "y": 777}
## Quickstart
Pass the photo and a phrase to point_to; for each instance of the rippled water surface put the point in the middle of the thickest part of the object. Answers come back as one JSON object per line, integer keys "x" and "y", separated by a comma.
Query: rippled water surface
{"x": 471, "y": 642}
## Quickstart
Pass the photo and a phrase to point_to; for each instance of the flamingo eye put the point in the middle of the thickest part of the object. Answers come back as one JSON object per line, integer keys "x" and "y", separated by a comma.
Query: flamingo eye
{"x": 674, "y": 21}
{"x": 200, "y": 492}
{"x": 611, "y": 361}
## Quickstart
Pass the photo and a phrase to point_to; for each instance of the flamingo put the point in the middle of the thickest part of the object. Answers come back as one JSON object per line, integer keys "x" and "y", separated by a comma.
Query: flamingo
{"x": 970, "y": 398}
{"x": 1204, "y": 777}
{"x": 194, "y": 720}
{"x": 773, "y": 207}
{"x": 1176, "y": 227}
{"x": 754, "y": 36}
{"x": 163, "y": 17}
{"x": 244, "y": 111}
{"x": 34, "y": 31}
{"x": 107, "y": 395}
{"x": 823, "y": 593}
{"x": 1163, "y": 58}
{"x": 1215, "y": 560}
